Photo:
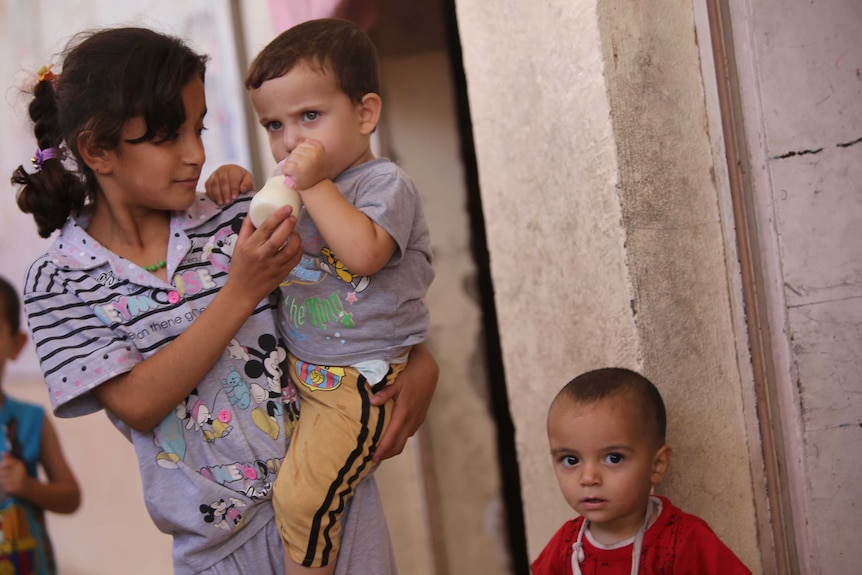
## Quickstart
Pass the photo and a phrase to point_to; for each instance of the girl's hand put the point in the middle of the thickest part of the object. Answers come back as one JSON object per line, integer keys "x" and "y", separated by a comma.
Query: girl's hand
{"x": 306, "y": 164}
{"x": 263, "y": 257}
{"x": 227, "y": 182}
{"x": 412, "y": 391}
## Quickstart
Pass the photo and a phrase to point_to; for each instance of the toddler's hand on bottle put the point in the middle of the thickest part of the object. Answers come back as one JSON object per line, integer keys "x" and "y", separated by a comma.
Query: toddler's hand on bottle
{"x": 306, "y": 164}
{"x": 227, "y": 182}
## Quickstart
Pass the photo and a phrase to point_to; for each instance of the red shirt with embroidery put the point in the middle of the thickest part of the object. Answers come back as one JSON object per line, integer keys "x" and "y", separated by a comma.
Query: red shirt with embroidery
{"x": 675, "y": 544}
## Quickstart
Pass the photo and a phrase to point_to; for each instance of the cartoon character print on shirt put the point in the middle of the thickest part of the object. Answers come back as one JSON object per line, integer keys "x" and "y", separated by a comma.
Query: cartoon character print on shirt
{"x": 219, "y": 248}
{"x": 334, "y": 267}
{"x": 193, "y": 414}
{"x": 272, "y": 405}
{"x": 268, "y": 402}
{"x": 223, "y": 514}
{"x": 322, "y": 310}
{"x": 237, "y": 389}
{"x": 279, "y": 398}
{"x": 200, "y": 418}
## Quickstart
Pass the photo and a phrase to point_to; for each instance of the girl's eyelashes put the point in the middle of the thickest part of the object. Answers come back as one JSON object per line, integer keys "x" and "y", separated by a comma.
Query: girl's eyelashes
{"x": 272, "y": 126}
{"x": 165, "y": 137}
{"x": 310, "y": 116}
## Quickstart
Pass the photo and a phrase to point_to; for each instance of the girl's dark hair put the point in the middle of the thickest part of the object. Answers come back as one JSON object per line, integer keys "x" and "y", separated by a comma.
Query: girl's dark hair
{"x": 108, "y": 77}
{"x": 10, "y": 306}
{"x": 332, "y": 44}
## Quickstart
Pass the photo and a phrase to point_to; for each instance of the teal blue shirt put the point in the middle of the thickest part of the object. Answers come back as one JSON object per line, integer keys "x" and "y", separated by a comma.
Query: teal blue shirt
{"x": 24, "y": 542}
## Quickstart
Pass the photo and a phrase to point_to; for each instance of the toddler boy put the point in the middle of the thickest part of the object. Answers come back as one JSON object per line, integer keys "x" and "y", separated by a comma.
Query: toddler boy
{"x": 606, "y": 430}
{"x": 352, "y": 309}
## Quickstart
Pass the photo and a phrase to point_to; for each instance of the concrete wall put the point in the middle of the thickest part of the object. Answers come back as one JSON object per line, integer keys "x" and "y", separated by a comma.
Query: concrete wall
{"x": 459, "y": 507}
{"x": 606, "y": 235}
{"x": 680, "y": 265}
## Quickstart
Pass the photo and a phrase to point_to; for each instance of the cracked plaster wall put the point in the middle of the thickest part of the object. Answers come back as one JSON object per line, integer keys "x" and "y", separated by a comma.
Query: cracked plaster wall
{"x": 807, "y": 82}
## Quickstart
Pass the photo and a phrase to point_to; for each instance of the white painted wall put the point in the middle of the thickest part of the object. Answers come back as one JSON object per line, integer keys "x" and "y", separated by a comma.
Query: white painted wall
{"x": 801, "y": 80}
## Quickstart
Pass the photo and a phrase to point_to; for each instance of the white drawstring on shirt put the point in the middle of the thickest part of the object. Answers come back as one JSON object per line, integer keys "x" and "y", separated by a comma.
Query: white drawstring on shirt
{"x": 637, "y": 547}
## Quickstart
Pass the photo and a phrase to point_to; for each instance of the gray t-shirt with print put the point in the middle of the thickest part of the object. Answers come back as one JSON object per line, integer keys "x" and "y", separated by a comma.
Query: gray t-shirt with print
{"x": 331, "y": 316}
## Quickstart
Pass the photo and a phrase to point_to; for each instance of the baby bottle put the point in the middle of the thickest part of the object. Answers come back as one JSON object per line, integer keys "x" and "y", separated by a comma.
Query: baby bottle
{"x": 276, "y": 192}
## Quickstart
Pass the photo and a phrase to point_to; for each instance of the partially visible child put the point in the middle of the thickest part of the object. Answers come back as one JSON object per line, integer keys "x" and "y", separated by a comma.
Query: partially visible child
{"x": 606, "y": 430}
{"x": 27, "y": 441}
{"x": 352, "y": 309}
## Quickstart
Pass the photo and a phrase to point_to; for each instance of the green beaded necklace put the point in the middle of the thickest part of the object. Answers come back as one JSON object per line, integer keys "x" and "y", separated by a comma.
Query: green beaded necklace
{"x": 156, "y": 266}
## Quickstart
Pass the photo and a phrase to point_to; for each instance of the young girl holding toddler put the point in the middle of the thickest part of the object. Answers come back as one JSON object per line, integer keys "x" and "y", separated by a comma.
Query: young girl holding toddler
{"x": 132, "y": 309}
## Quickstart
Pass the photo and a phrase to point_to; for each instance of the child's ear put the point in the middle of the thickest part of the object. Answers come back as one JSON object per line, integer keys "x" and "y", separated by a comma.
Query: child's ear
{"x": 92, "y": 154}
{"x": 18, "y": 342}
{"x": 369, "y": 113}
{"x": 660, "y": 464}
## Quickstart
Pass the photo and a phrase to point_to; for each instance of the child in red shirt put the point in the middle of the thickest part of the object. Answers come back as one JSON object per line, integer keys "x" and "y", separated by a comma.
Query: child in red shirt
{"x": 606, "y": 430}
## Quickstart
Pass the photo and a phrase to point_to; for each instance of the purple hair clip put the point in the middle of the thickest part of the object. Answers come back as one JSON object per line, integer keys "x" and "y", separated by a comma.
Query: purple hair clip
{"x": 41, "y": 155}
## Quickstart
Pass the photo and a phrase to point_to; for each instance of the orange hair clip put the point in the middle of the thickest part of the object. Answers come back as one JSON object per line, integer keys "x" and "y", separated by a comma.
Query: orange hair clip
{"x": 44, "y": 74}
